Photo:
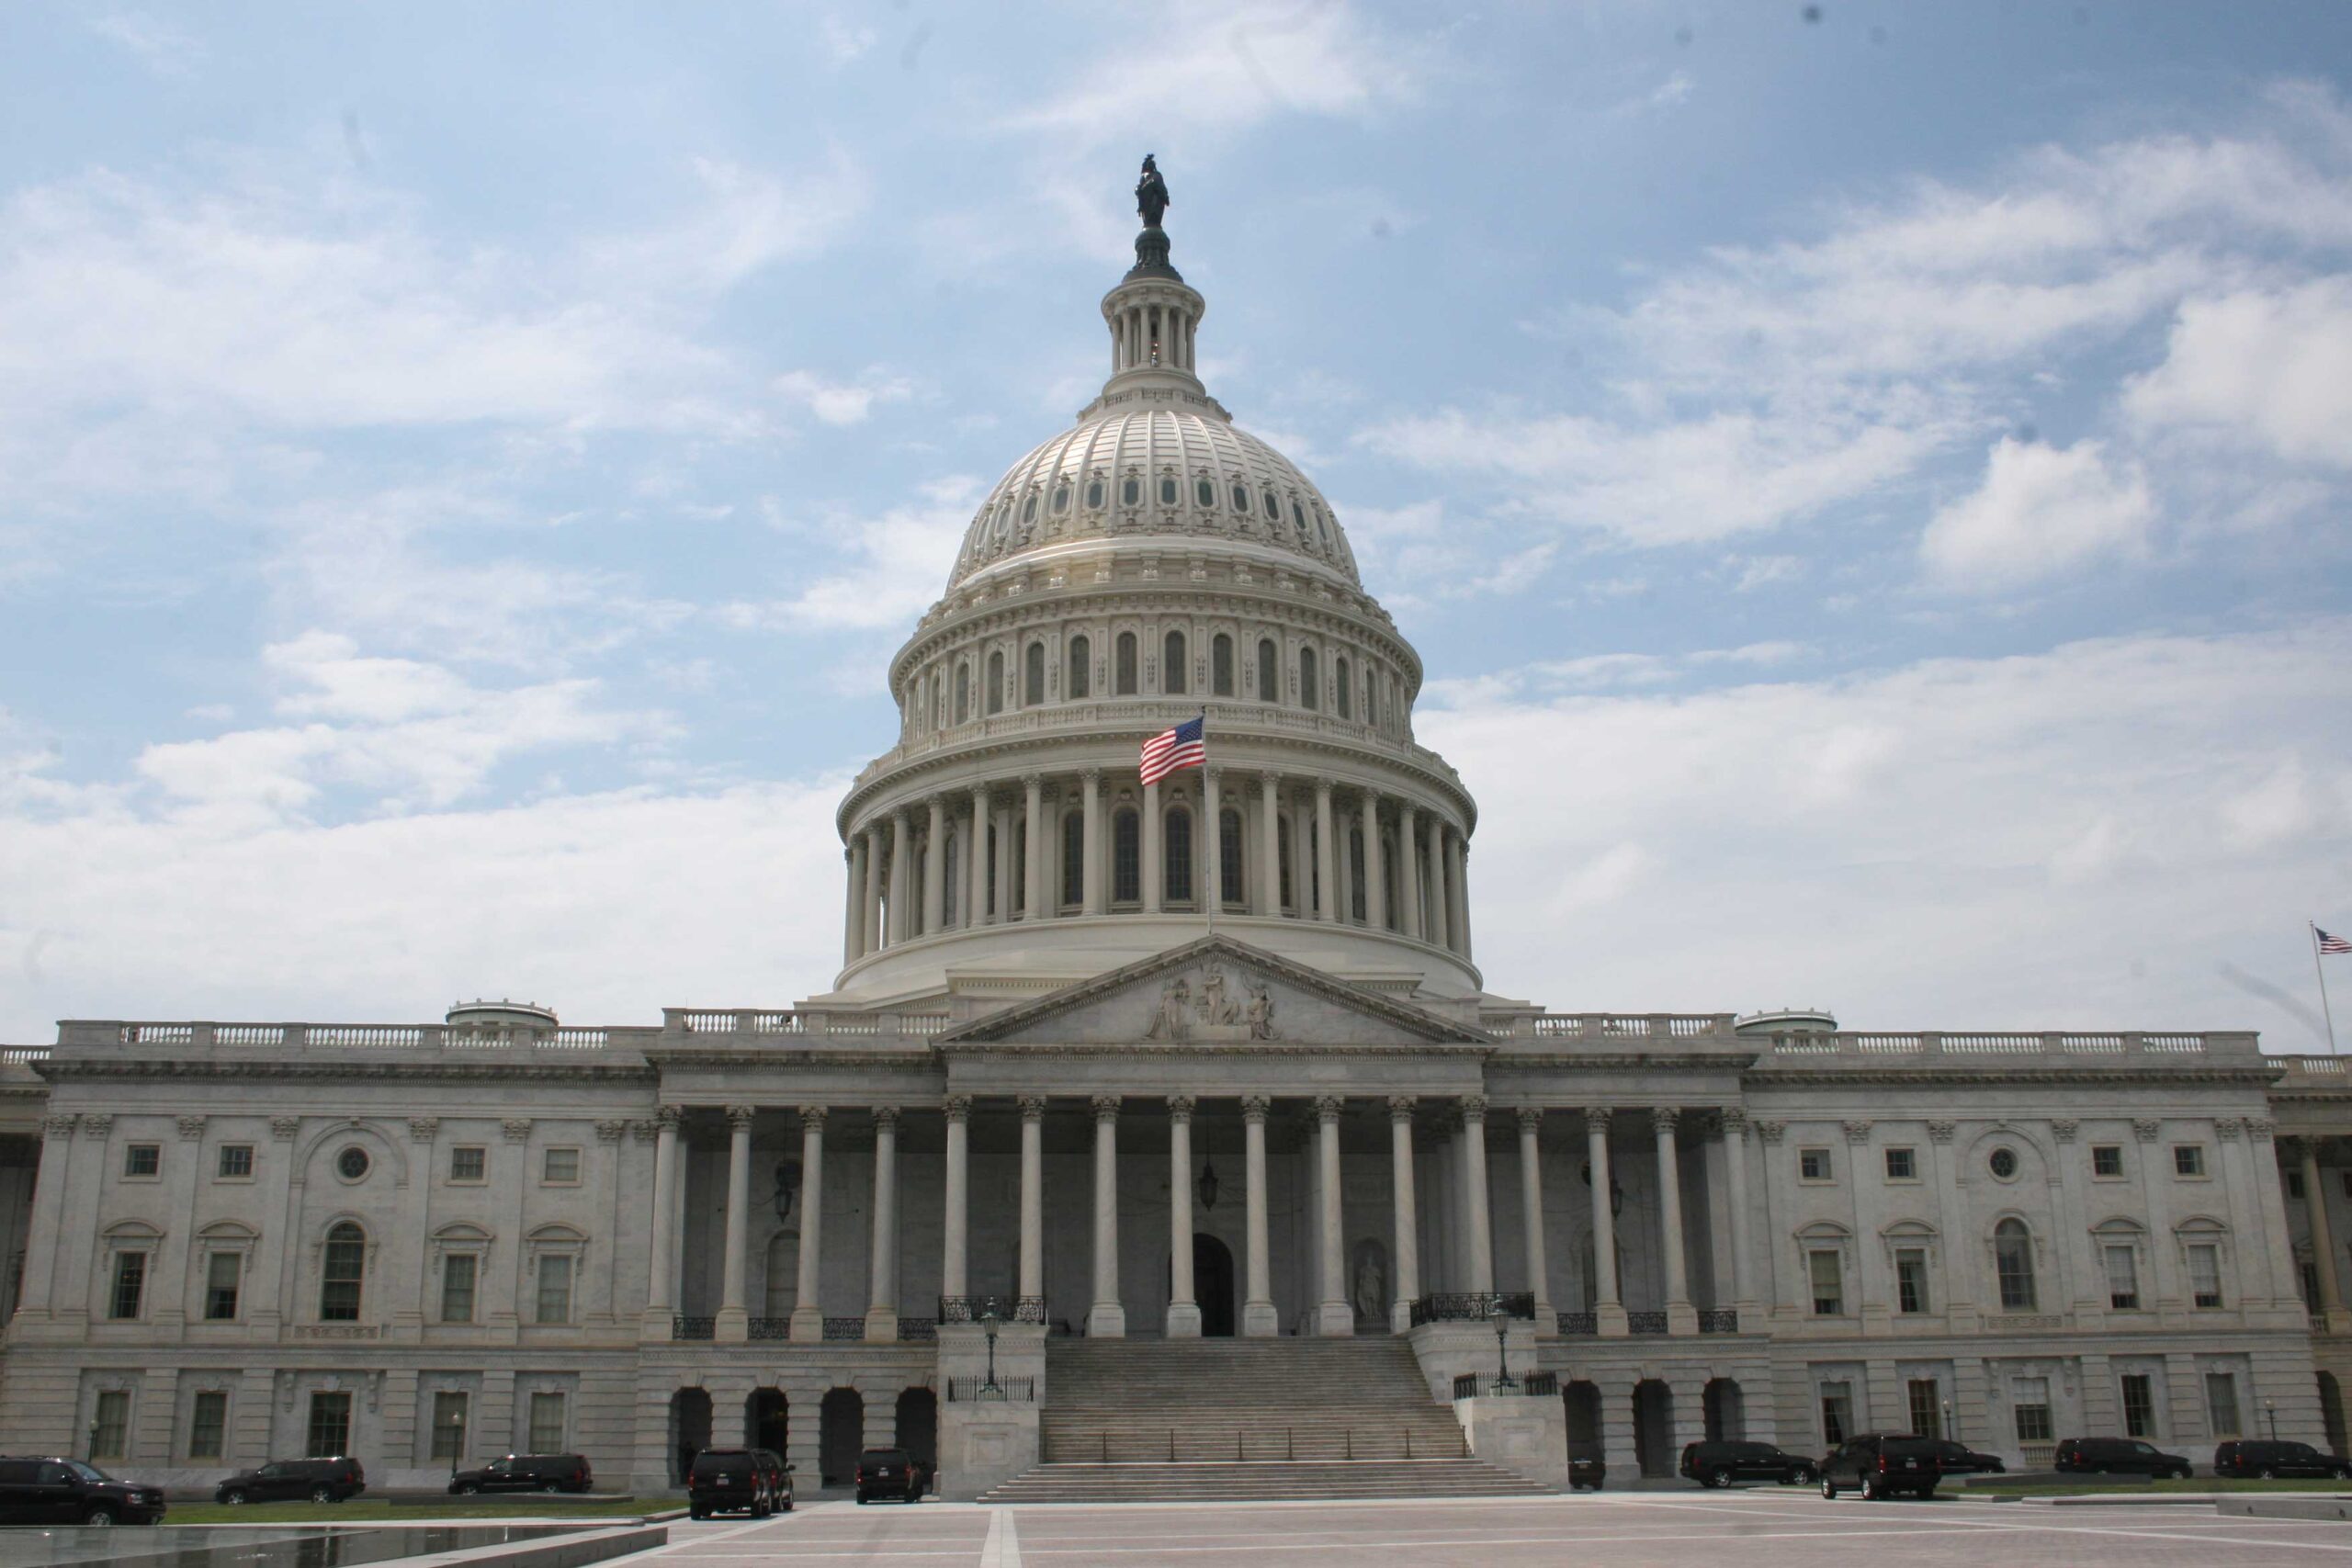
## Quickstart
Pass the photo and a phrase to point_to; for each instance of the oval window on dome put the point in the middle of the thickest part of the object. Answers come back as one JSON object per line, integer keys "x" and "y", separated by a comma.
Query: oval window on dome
{"x": 1029, "y": 509}
{"x": 1273, "y": 507}
{"x": 1061, "y": 499}
{"x": 1298, "y": 515}
{"x": 1131, "y": 493}
{"x": 1241, "y": 498}
{"x": 1168, "y": 489}
{"x": 1205, "y": 491}
{"x": 1003, "y": 518}
{"x": 1094, "y": 495}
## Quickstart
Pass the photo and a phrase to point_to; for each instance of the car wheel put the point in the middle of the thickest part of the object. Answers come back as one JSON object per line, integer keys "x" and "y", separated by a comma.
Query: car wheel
{"x": 2181, "y": 1474}
{"x": 2268, "y": 1473}
{"x": 322, "y": 1494}
{"x": 467, "y": 1488}
{"x": 233, "y": 1497}
{"x": 1718, "y": 1476}
{"x": 1805, "y": 1477}
{"x": 99, "y": 1518}
{"x": 1872, "y": 1491}
{"x": 1828, "y": 1488}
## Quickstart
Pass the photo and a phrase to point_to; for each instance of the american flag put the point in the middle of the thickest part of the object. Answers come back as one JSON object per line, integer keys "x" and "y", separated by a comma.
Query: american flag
{"x": 1170, "y": 751}
{"x": 2332, "y": 943}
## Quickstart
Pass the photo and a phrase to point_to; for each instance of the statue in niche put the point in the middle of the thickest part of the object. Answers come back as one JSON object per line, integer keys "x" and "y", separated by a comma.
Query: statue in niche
{"x": 1216, "y": 1007}
{"x": 1151, "y": 192}
{"x": 1370, "y": 1276}
{"x": 1173, "y": 1021}
{"x": 1260, "y": 1015}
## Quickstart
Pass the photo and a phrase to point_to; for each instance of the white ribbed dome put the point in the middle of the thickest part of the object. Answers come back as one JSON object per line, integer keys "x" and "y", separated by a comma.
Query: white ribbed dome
{"x": 1161, "y": 475}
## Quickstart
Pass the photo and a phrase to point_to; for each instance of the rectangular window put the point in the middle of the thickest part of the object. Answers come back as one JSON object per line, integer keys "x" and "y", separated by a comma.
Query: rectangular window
{"x": 560, "y": 1167}
{"x": 547, "y": 1423}
{"x": 555, "y": 1290}
{"x": 1911, "y": 1280}
{"x": 2122, "y": 1279}
{"x": 129, "y": 1284}
{"x": 143, "y": 1160}
{"x": 458, "y": 1287}
{"x": 329, "y": 1434}
{"x": 223, "y": 1273}
{"x": 2139, "y": 1405}
{"x": 111, "y": 1424}
{"x": 468, "y": 1163}
{"x": 2106, "y": 1160}
{"x": 1926, "y": 1397}
{"x": 448, "y": 1426}
{"x": 2205, "y": 1274}
{"x": 1828, "y": 1283}
{"x": 236, "y": 1162}
{"x": 2189, "y": 1159}
{"x": 2221, "y": 1403}
{"x": 1836, "y": 1411}
{"x": 1813, "y": 1164}
{"x": 2030, "y": 1402}
{"x": 1902, "y": 1165}
{"x": 207, "y": 1424}
{"x": 2294, "y": 1184}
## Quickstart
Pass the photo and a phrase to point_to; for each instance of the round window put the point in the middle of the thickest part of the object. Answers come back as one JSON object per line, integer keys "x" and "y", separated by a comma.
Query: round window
{"x": 352, "y": 1163}
{"x": 2004, "y": 1163}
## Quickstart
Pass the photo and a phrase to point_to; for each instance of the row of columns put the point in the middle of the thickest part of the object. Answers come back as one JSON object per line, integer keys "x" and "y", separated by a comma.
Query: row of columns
{"x": 896, "y": 872}
{"x": 1106, "y": 1317}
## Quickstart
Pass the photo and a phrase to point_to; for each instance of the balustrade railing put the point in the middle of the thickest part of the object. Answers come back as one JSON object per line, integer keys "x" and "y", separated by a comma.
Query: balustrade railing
{"x": 1718, "y": 1320}
{"x": 1536, "y": 1385}
{"x": 693, "y": 1327}
{"x": 771, "y": 1329}
{"x": 1007, "y": 1309}
{"x": 918, "y": 1330}
{"x": 973, "y": 1390}
{"x": 1645, "y": 1322}
{"x": 1578, "y": 1323}
{"x": 844, "y": 1328}
{"x": 1471, "y": 1306}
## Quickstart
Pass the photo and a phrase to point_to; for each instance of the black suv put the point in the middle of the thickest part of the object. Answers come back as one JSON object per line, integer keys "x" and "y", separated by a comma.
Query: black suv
{"x": 525, "y": 1472}
{"x": 890, "y": 1472}
{"x": 318, "y": 1479}
{"x": 1721, "y": 1463}
{"x": 1586, "y": 1469}
{"x": 1883, "y": 1464}
{"x": 50, "y": 1491}
{"x": 1958, "y": 1459}
{"x": 2269, "y": 1460}
{"x": 2119, "y": 1456}
{"x": 751, "y": 1481}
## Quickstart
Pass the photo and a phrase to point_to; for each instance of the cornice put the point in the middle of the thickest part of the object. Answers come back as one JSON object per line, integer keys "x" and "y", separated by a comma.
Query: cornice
{"x": 960, "y": 1050}
{"x": 1620, "y": 1060}
{"x": 2250, "y": 1076}
{"x": 65, "y": 1068}
{"x": 771, "y": 1058}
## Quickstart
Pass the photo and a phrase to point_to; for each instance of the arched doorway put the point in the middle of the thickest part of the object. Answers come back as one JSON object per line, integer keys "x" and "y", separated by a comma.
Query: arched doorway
{"x": 1654, "y": 1427}
{"x": 1724, "y": 1410}
{"x": 689, "y": 1430}
{"x": 1584, "y": 1421}
{"x": 840, "y": 1434}
{"x": 1213, "y": 1285}
{"x": 919, "y": 1426}
{"x": 2331, "y": 1412}
{"x": 765, "y": 1421}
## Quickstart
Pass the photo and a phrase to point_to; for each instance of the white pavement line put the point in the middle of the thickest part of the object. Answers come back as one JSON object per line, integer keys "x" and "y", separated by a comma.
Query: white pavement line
{"x": 2201, "y": 1538}
{"x": 1268, "y": 1546}
{"x": 1002, "y": 1548}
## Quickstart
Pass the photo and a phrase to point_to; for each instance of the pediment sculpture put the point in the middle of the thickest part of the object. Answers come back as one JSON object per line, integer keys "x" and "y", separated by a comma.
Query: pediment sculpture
{"x": 1210, "y": 1013}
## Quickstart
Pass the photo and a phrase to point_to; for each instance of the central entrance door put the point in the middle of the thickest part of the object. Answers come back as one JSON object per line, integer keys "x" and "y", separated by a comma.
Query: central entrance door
{"x": 1213, "y": 1285}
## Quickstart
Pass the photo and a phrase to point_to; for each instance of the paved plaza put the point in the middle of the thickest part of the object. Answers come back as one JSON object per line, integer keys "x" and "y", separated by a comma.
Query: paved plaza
{"x": 1765, "y": 1530}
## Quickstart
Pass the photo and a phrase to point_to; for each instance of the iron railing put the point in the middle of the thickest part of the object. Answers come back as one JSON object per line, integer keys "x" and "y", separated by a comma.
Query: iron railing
{"x": 844, "y": 1328}
{"x": 771, "y": 1329}
{"x": 968, "y": 1390}
{"x": 693, "y": 1327}
{"x": 1645, "y": 1322}
{"x": 918, "y": 1330}
{"x": 1471, "y": 1306}
{"x": 1534, "y": 1385}
{"x": 1718, "y": 1320}
{"x": 1007, "y": 1309}
{"x": 1577, "y": 1323}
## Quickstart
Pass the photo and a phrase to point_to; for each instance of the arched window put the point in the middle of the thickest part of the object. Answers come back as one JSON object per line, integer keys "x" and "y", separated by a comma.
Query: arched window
{"x": 1167, "y": 490}
{"x": 1029, "y": 508}
{"x": 1355, "y": 873}
{"x": 1339, "y": 675}
{"x": 963, "y": 693}
{"x": 1126, "y": 857}
{"x": 1221, "y": 665}
{"x": 1229, "y": 858}
{"x": 2013, "y": 1263}
{"x": 1270, "y": 674}
{"x": 1241, "y": 498}
{"x": 996, "y": 681}
{"x": 1081, "y": 669}
{"x": 340, "y": 1271}
{"x": 1131, "y": 491}
{"x": 1094, "y": 495}
{"x": 1205, "y": 490}
{"x": 1061, "y": 498}
{"x": 1123, "y": 674}
{"x": 1281, "y": 853}
{"x": 1273, "y": 507}
{"x": 1033, "y": 675}
{"x": 1171, "y": 663}
{"x": 1074, "y": 858}
{"x": 1176, "y": 856}
{"x": 1310, "y": 694}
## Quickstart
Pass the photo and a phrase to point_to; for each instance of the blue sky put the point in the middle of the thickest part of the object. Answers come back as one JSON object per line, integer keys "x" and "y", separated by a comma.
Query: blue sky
{"x": 1868, "y": 486}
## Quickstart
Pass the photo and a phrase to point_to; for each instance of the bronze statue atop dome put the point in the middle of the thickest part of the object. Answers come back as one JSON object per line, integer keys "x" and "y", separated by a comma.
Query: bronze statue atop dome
{"x": 1151, "y": 192}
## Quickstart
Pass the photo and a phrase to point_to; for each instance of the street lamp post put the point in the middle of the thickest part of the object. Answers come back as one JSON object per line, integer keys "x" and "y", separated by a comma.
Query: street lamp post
{"x": 989, "y": 1389}
{"x": 1503, "y": 1384}
{"x": 1949, "y": 1430}
{"x": 2270, "y": 1408}
{"x": 456, "y": 1440}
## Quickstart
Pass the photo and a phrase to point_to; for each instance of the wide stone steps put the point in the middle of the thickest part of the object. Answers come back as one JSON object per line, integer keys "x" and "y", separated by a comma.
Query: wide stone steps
{"x": 1274, "y": 1482}
{"x": 1246, "y": 1434}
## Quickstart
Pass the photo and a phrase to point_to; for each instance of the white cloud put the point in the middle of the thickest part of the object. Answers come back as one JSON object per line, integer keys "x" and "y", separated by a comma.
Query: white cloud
{"x": 902, "y": 564}
{"x": 163, "y": 48}
{"x": 2040, "y": 510}
{"x": 2266, "y": 367}
{"x": 843, "y": 402}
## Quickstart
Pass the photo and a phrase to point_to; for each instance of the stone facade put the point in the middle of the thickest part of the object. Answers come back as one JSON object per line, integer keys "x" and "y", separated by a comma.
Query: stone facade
{"x": 1209, "y": 1056}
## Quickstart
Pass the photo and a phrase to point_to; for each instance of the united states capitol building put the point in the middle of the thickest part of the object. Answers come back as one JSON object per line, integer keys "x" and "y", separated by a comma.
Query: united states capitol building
{"x": 1175, "y": 1089}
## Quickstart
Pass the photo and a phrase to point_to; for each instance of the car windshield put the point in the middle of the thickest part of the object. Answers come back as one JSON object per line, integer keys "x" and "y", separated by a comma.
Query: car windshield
{"x": 88, "y": 1472}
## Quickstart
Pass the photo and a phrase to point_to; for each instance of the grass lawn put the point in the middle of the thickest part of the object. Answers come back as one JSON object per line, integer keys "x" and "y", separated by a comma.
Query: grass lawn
{"x": 365, "y": 1511}
{"x": 2067, "y": 1488}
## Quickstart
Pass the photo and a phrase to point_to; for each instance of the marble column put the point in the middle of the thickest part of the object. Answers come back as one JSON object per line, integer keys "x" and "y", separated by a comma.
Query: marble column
{"x": 1150, "y": 841}
{"x": 853, "y": 916}
{"x": 1004, "y": 908}
{"x": 1032, "y": 1198}
{"x": 1335, "y": 1318}
{"x": 1743, "y": 1265}
{"x": 1184, "y": 1309}
{"x": 1474, "y": 1187}
{"x": 1376, "y": 889}
{"x": 1106, "y": 1319}
{"x": 733, "y": 1321}
{"x": 901, "y": 878}
{"x": 934, "y": 869}
{"x": 1212, "y": 836}
{"x": 876, "y": 860}
{"x": 1531, "y": 1209}
{"x": 1092, "y": 875}
{"x": 1409, "y": 1236}
{"x": 1457, "y": 891}
{"x": 882, "y": 1274}
{"x": 1326, "y": 878}
{"x": 1037, "y": 897}
{"x": 955, "y": 1278}
{"x": 807, "y": 1309}
{"x": 1434, "y": 875}
{"x": 976, "y": 862}
{"x": 1679, "y": 1317}
{"x": 1259, "y": 1319}
{"x": 659, "y": 1302}
{"x": 1408, "y": 872}
{"x": 1270, "y": 848}
{"x": 2323, "y": 1236}
{"x": 1608, "y": 1311}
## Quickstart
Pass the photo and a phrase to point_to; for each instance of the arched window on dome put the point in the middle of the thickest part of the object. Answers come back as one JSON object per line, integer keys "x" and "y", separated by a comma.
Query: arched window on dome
{"x": 1273, "y": 507}
{"x": 963, "y": 693}
{"x": 996, "y": 681}
{"x": 1168, "y": 489}
{"x": 1131, "y": 492}
{"x": 1081, "y": 669}
{"x": 1298, "y": 515}
{"x": 1310, "y": 693}
{"x": 1282, "y": 854}
{"x": 1124, "y": 662}
{"x": 1073, "y": 859}
{"x": 1270, "y": 673}
{"x": 1061, "y": 498}
{"x": 1228, "y": 859}
{"x": 1094, "y": 495}
{"x": 1340, "y": 678}
{"x": 1176, "y": 855}
{"x": 1221, "y": 665}
{"x": 1033, "y": 675}
{"x": 1029, "y": 508}
{"x": 1171, "y": 664}
{"x": 1205, "y": 491}
{"x": 1355, "y": 874}
{"x": 1126, "y": 856}
{"x": 1241, "y": 498}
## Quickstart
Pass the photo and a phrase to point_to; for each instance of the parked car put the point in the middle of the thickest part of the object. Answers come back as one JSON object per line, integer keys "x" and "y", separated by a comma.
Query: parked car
{"x": 891, "y": 1472}
{"x": 1587, "y": 1470}
{"x": 2119, "y": 1456}
{"x": 1958, "y": 1459}
{"x": 1882, "y": 1464}
{"x": 2270, "y": 1460}
{"x": 526, "y": 1472}
{"x": 1721, "y": 1463}
{"x": 318, "y": 1479}
{"x": 53, "y": 1491}
{"x": 749, "y": 1481}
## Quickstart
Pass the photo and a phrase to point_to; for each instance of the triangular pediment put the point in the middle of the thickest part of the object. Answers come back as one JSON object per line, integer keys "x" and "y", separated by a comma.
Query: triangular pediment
{"x": 1215, "y": 991}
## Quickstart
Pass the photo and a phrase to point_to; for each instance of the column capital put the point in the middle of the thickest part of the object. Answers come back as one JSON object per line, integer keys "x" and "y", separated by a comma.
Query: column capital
{"x": 644, "y": 1128}
{"x": 1665, "y": 1118}
{"x": 1734, "y": 1120}
{"x": 1857, "y": 1131}
{"x": 1033, "y": 1107}
{"x": 901, "y": 818}
{"x": 1323, "y": 788}
{"x": 2146, "y": 1129}
{"x": 1032, "y": 781}
{"x": 1596, "y": 1118}
{"x": 1254, "y": 1108}
{"x": 886, "y": 1118}
{"x": 1092, "y": 778}
{"x": 2261, "y": 1129}
{"x": 1270, "y": 778}
{"x": 1329, "y": 1106}
{"x": 2063, "y": 1129}
{"x": 1530, "y": 1117}
{"x": 958, "y": 1107}
{"x": 670, "y": 1115}
{"x": 1401, "y": 1107}
{"x": 740, "y": 1115}
{"x": 422, "y": 1129}
{"x": 1105, "y": 1107}
{"x": 1472, "y": 1108}
{"x": 1180, "y": 1107}
{"x": 812, "y": 1118}
{"x": 1940, "y": 1131}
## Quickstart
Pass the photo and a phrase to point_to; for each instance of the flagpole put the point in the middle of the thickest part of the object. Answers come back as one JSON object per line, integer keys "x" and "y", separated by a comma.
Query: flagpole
{"x": 2320, "y": 970}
